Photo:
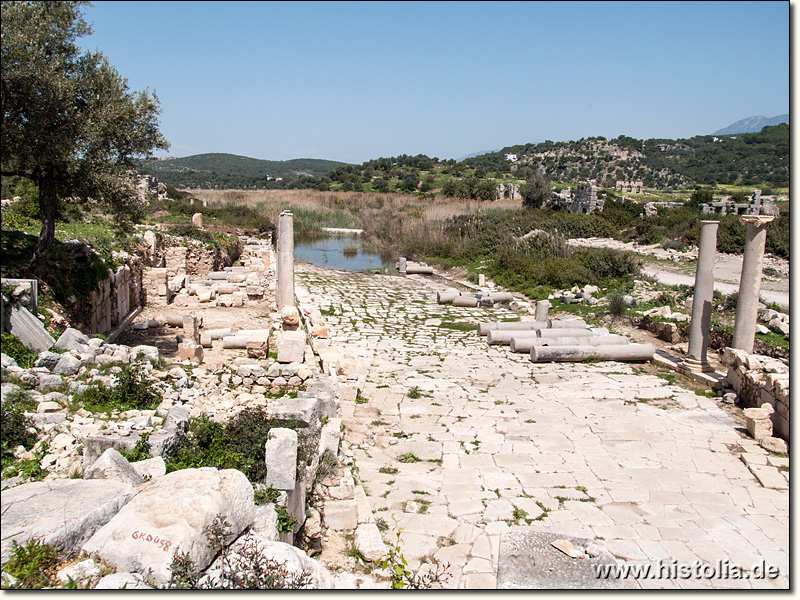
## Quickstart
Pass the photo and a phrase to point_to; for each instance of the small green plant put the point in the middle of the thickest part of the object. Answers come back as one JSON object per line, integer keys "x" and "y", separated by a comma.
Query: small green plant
{"x": 328, "y": 463}
{"x": 402, "y": 577}
{"x": 414, "y": 393}
{"x": 141, "y": 451}
{"x": 408, "y": 457}
{"x": 285, "y": 521}
{"x": 360, "y": 399}
{"x": 388, "y": 470}
{"x": 22, "y": 354}
{"x": 379, "y": 423}
{"x": 32, "y": 565}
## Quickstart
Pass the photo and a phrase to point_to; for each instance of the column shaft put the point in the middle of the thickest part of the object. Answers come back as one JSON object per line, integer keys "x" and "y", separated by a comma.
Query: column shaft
{"x": 702, "y": 304}
{"x": 744, "y": 330}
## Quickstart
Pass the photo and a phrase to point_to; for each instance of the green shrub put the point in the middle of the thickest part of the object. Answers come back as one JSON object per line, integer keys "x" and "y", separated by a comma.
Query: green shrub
{"x": 238, "y": 444}
{"x": 133, "y": 391}
{"x": 33, "y": 565}
{"x": 14, "y": 431}
{"x": 13, "y": 347}
{"x": 616, "y": 305}
{"x": 249, "y": 569}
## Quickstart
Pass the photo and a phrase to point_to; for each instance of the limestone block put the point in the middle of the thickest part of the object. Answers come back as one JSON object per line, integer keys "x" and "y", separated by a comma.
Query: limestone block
{"x": 291, "y": 347}
{"x": 258, "y": 344}
{"x": 290, "y": 316}
{"x": 169, "y": 514}
{"x": 330, "y": 436}
{"x": 60, "y": 513}
{"x": 281, "y": 458}
{"x": 759, "y": 428}
{"x": 190, "y": 351}
{"x": 72, "y": 340}
{"x": 67, "y": 365}
{"x": 151, "y": 467}
{"x": 320, "y": 331}
{"x": 112, "y": 465}
{"x": 340, "y": 515}
{"x": 369, "y": 543}
{"x": 774, "y": 444}
{"x": 197, "y": 220}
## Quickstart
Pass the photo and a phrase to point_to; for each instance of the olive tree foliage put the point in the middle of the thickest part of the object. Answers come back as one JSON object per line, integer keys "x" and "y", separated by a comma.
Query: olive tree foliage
{"x": 536, "y": 189}
{"x": 69, "y": 122}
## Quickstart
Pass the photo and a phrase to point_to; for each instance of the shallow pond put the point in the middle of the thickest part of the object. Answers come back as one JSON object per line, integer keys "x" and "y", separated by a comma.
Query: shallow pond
{"x": 341, "y": 252}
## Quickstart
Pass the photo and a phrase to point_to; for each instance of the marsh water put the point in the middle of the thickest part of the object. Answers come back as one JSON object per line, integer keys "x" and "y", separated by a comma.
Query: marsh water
{"x": 341, "y": 252}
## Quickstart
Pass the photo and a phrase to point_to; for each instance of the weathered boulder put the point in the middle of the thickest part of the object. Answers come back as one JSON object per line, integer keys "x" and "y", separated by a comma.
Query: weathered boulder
{"x": 112, "y": 465}
{"x": 169, "y": 515}
{"x": 67, "y": 365}
{"x": 61, "y": 513}
{"x": 73, "y": 340}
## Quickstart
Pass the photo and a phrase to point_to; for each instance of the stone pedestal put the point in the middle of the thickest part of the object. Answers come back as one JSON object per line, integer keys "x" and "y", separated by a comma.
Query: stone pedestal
{"x": 744, "y": 330}
{"x": 542, "y": 308}
{"x": 285, "y": 282}
{"x": 702, "y": 304}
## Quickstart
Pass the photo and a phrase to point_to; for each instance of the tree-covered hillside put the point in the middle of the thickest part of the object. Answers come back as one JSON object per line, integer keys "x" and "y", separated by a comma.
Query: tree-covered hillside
{"x": 743, "y": 159}
{"x": 232, "y": 171}
{"x": 749, "y": 159}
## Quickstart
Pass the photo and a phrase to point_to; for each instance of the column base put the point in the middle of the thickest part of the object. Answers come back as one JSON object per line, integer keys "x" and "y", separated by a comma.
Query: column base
{"x": 691, "y": 365}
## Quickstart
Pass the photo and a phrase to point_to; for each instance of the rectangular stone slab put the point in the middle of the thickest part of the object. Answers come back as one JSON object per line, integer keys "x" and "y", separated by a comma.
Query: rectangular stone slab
{"x": 529, "y": 561}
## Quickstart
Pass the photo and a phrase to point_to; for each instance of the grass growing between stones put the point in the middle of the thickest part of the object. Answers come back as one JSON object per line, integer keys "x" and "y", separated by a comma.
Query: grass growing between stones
{"x": 238, "y": 444}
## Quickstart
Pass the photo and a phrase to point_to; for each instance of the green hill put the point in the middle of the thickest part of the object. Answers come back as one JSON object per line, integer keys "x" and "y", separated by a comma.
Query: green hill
{"x": 232, "y": 171}
{"x": 742, "y": 159}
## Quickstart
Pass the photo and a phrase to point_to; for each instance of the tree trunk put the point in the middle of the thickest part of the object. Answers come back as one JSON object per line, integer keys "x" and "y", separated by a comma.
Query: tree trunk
{"x": 47, "y": 206}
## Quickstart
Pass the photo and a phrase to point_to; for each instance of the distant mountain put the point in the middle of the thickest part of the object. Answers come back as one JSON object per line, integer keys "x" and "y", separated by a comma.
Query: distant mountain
{"x": 752, "y": 124}
{"x": 474, "y": 154}
{"x": 230, "y": 170}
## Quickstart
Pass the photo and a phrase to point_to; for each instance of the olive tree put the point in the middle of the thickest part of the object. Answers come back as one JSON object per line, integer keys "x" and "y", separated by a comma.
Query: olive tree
{"x": 536, "y": 190}
{"x": 69, "y": 122}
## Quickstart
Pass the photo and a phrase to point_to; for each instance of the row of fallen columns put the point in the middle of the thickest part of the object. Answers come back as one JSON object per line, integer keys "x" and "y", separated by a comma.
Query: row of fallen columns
{"x": 744, "y": 331}
{"x": 567, "y": 339}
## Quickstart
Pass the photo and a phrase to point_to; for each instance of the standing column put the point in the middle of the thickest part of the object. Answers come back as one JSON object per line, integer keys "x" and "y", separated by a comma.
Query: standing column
{"x": 702, "y": 304}
{"x": 744, "y": 330}
{"x": 285, "y": 270}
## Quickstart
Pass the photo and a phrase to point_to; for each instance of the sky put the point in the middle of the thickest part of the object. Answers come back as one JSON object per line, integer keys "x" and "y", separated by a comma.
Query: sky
{"x": 353, "y": 81}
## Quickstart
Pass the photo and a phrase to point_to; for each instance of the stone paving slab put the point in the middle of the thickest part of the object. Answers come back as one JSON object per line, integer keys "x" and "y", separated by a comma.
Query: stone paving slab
{"x": 597, "y": 450}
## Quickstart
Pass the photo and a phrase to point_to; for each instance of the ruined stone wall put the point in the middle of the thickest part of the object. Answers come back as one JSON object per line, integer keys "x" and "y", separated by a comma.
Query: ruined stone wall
{"x": 508, "y": 191}
{"x": 114, "y": 299}
{"x": 584, "y": 200}
{"x": 760, "y": 379}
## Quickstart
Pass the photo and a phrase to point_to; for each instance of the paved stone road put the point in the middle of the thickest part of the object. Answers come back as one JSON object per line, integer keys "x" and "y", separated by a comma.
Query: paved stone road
{"x": 460, "y": 442}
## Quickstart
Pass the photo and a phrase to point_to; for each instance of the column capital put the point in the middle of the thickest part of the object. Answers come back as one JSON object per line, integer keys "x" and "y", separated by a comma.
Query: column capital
{"x": 757, "y": 220}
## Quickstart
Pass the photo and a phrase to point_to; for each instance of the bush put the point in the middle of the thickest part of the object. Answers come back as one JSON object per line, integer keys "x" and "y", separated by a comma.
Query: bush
{"x": 13, "y": 347}
{"x": 616, "y": 305}
{"x": 14, "y": 431}
{"x": 132, "y": 391}
{"x": 238, "y": 444}
{"x": 248, "y": 569}
{"x": 33, "y": 565}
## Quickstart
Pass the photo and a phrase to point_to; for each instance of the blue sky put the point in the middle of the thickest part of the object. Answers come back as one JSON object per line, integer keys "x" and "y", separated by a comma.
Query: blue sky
{"x": 355, "y": 81}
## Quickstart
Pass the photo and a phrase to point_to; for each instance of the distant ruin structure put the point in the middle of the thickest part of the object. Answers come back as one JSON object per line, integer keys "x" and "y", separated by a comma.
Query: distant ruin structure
{"x": 630, "y": 187}
{"x": 758, "y": 205}
{"x": 510, "y": 191}
{"x": 584, "y": 200}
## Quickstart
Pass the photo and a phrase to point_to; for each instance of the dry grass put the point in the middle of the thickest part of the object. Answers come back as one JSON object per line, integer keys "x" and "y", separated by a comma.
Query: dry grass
{"x": 274, "y": 201}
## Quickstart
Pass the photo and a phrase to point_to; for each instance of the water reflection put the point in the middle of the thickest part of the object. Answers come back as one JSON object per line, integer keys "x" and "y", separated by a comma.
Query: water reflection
{"x": 341, "y": 252}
